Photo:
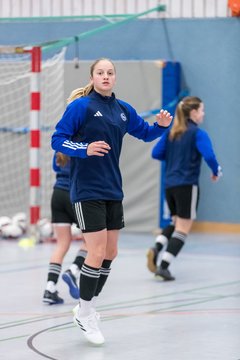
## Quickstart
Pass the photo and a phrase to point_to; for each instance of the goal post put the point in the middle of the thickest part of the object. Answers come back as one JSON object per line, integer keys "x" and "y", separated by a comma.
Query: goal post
{"x": 35, "y": 138}
{"x": 31, "y": 102}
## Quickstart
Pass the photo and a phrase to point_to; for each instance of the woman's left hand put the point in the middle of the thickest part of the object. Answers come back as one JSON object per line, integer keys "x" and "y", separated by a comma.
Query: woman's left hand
{"x": 164, "y": 118}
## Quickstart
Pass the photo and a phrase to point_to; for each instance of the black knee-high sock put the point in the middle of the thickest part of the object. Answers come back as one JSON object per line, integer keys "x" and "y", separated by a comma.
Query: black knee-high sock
{"x": 104, "y": 272}
{"x": 174, "y": 247}
{"x": 164, "y": 237}
{"x": 80, "y": 258}
{"x": 54, "y": 271}
{"x": 88, "y": 281}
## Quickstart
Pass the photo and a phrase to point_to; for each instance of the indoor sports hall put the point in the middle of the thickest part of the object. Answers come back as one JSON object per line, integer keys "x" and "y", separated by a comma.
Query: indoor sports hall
{"x": 163, "y": 51}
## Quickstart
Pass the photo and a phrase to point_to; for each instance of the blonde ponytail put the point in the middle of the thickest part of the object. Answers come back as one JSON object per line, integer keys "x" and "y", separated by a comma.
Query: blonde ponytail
{"x": 80, "y": 92}
{"x": 182, "y": 115}
{"x": 62, "y": 159}
{"x": 179, "y": 123}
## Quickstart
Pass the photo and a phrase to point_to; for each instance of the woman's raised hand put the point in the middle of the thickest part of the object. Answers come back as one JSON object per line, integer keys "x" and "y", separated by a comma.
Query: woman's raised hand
{"x": 164, "y": 118}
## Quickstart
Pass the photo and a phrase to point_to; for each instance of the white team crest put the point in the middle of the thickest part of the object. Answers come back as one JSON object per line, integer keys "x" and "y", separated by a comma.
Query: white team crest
{"x": 123, "y": 117}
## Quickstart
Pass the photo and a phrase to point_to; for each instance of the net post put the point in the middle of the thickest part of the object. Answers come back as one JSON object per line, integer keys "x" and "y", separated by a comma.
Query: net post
{"x": 35, "y": 140}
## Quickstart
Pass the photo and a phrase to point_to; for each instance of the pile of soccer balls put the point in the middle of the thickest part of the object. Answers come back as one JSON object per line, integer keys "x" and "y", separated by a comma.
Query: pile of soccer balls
{"x": 13, "y": 228}
{"x": 17, "y": 226}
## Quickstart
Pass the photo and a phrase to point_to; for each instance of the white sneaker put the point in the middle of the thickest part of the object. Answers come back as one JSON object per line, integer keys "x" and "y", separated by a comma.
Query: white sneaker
{"x": 76, "y": 308}
{"x": 89, "y": 326}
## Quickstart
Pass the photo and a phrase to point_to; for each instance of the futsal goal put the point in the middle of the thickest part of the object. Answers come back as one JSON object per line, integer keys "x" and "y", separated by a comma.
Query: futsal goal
{"x": 31, "y": 103}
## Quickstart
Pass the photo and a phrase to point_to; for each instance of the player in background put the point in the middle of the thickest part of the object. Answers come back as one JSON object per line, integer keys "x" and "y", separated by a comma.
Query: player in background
{"x": 62, "y": 218}
{"x": 182, "y": 147}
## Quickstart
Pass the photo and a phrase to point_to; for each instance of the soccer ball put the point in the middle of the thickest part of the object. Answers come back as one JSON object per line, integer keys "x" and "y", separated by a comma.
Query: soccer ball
{"x": 45, "y": 228}
{"x": 20, "y": 219}
{"x": 76, "y": 232}
{"x": 11, "y": 231}
{"x": 4, "y": 220}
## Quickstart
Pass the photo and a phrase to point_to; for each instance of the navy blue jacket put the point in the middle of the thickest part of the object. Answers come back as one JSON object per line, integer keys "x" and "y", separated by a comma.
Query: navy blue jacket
{"x": 94, "y": 118}
{"x": 62, "y": 175}
{"x": 183, "y": 156}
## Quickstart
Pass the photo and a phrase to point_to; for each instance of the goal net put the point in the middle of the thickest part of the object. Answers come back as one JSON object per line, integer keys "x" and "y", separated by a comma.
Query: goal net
{"x": 15, "y": 104}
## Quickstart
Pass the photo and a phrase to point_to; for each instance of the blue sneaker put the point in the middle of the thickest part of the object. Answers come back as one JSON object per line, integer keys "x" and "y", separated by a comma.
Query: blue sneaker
{"x": 70, "y": 280}
{"x": 52, "y": 298}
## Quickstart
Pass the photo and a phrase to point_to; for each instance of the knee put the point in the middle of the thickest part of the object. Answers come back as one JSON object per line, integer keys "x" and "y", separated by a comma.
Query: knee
{"x": 111, "y": 254}
{"x": 98, "y": 254}
{"x": 99, "y": 257}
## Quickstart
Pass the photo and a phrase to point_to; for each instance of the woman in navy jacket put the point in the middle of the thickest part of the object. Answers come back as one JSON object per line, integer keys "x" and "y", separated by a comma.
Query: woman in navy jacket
{"x": 182, "y": 147}
{"x": 91, "y": 132}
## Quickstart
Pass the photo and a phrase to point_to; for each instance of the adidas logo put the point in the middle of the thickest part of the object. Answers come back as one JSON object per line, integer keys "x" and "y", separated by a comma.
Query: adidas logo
{"x": 98, "y": 114}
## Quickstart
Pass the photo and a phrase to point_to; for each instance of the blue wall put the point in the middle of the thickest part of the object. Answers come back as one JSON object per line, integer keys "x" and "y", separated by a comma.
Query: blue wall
{"x": 209, "y": 53}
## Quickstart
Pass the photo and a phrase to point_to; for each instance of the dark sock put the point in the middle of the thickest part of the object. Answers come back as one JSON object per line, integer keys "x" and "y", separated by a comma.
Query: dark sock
{"x": 168, "y": 231}
{"x": 164, "y": 237}
{"x": 88, "y": 281}
{"x": 80, "y": 258}
{"x": 175, "y": 245}
{"x": 54, "y": 271}
{"x": 159, "y": 246}
{"x": 104, "y": 272}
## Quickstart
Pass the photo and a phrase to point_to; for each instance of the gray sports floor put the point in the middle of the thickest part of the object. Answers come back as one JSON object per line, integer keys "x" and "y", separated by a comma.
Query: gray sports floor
{"x": 196, "y": 317}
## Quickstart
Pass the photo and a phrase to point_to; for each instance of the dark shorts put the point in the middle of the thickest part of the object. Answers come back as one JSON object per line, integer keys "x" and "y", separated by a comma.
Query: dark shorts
{"x": 96, "y": 215}
{"x": 61, "y": 207}
{"x": 183, "y": 201}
